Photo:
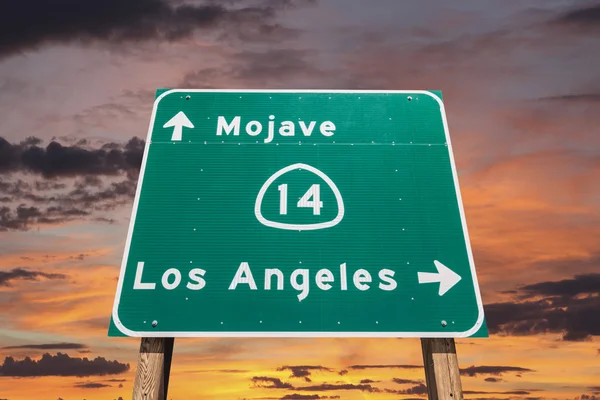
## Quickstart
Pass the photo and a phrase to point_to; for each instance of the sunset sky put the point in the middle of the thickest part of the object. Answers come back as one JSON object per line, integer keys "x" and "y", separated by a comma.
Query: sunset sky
{"x": 521, "y": 88}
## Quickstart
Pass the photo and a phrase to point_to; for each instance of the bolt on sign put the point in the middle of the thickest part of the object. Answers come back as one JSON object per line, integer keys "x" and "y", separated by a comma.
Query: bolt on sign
{"x": 298, "y": 213}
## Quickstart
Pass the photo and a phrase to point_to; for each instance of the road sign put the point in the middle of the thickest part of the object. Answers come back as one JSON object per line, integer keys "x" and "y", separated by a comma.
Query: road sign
{"x": 300, "y": 213}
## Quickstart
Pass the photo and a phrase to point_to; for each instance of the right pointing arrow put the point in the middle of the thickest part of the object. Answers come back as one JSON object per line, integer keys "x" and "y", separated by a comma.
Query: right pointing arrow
{"x": 445, "y": 276}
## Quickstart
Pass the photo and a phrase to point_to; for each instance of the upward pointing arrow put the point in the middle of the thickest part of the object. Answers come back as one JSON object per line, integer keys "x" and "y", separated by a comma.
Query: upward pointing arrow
{"x": 177, "y": 123}
{"x": 445, "y": 276}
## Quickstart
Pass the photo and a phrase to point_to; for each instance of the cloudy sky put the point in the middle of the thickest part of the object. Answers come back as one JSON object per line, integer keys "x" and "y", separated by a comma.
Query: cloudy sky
{"x": 521, "y": 85}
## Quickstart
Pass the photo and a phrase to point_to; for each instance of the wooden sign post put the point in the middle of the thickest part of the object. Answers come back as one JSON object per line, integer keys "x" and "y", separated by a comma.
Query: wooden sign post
{"x": 153, "y": 369}
{"x": 442, "y": 374}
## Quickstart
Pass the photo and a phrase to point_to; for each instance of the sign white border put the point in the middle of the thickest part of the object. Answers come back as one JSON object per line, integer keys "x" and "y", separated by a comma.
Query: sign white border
{"x": 158, "y": 333}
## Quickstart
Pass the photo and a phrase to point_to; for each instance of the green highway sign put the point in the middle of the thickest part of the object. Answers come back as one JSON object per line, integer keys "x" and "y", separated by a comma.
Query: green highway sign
{"x": 298, "y": 213}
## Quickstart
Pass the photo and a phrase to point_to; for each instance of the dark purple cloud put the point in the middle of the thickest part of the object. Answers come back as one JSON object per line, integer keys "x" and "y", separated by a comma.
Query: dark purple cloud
{"x": 57, "y": 160}
{"x": 6, "y": 277}
{"x": 364, "y": 381}
{"x": 50, "y": 346}
{"x": 383, "y": 366}
{"x": 580, "y": 284}
{"x": 23, "y": 217}
{"x": 492, "y": 379}
{"x": 405, "y": 381}
{"x": 578, "y": 97}
{"x": 61, "y": 365}
{"x": 587, "y": 397}
{"x": 302, "y": 371}
{"x": 31, "y": 24}
{"x": 582, "y": 17}
{"x": 90, "y": 385}
{"x": 77, "y": 182}
{"x": 491, "y": 370}
{"x": 268, "y": 382}
{"x": 339, "y": 386}
{"x": 510, "y": 392}
{"x": 418, "y": 389}
{"x": 568, "y": 306}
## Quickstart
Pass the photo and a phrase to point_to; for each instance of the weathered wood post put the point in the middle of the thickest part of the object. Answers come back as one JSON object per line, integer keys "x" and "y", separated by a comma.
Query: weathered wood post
{"x": 153, "y": 369}
{"x": 441, "y": 369}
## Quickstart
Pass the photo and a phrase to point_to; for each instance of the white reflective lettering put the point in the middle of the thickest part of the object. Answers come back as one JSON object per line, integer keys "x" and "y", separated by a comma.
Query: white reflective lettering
{"x": 315, "y": 193}
{"x": 243, "y": 275}
{"x": 304, "y": 286}
{"x": 287, "y": 128}
{"x": 305, "y": 130}
{"x": 282, "y": 198}
{"x": 138, "y": 284}
{"x": 327, "y": 128}
{"x": 167, "y": 274}
{"x": 324, "y": 275}
{"x": 284, "y": 128}
{"x": 360, "y": 276}
{"x": 269, "y": 273}
{"x": 222, "y": 124}
{"x": 196, "y": 275}
{"x": 386, "y": 276}
{"x": 253, "y": 128}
